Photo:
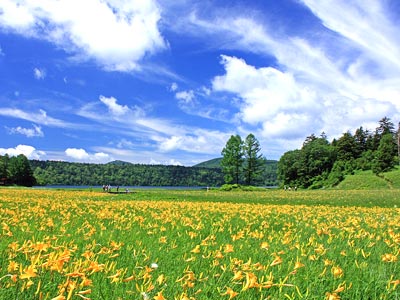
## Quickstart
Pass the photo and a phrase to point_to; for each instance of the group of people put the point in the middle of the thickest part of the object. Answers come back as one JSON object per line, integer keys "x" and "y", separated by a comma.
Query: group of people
{"x": 107, "y": 188}
{"x": 288, "y": 188}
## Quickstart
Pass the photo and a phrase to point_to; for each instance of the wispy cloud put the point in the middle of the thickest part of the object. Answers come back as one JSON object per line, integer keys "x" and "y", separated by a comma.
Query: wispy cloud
{"x": 40, "y": 117}
{"x": 36, "y": 131}
{"x": 333, "y": 80}
{"x": 161, "y": 134}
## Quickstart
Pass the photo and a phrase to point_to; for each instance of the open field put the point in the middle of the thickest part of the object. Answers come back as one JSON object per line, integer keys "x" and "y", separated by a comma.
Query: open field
{"x": 159, "y": 244}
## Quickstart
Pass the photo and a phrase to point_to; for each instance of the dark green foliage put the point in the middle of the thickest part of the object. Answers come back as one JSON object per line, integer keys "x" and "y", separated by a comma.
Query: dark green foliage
{"x": 232, "y": 159}
{"x": 321, "y": 164}
{"x": 3, "y": 166}
{"x": 268, "y": 177}
{"x": 347, "y": 148}
{"x": 212, "y": 163}
{"x": 126, "y": 174}
{"x": 384, "y": 158}
{"x": 289, "y": 167}
{"x": 16, "y": 170}
{"x": 242, "y": 162}
{"x": 254, "y": 161}
{"x": 309, "y": 166}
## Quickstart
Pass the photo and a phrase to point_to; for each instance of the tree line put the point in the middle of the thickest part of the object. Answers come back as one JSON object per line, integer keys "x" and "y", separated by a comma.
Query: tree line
{"x": 19, "y": 170}
{"x": 123, "y": 174}
{"x": 320, "y": 163}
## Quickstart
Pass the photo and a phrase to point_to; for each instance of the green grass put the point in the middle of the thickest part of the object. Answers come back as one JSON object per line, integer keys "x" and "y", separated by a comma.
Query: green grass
{"x": 394, "y": 178}
{"x": 366, "y": 180}
{"x": 200, "y": 241}
{"x": 363, "y": 180}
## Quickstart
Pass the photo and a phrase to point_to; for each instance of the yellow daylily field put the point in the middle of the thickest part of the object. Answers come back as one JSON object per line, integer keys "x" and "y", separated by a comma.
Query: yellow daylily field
{"x": 71, "y": 244}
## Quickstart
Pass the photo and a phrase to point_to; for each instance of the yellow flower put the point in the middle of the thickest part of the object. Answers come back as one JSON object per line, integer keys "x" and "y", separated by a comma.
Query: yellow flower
{"x": 237, "y": 276}
{"x": 337, "y": 271}
{"x": 264, "y": 245}
{"x": 159, "y": 296}
{"x": 251, "y": 281}
{"x": 12, "y": 266}
{"x": 388, "y": 257}
{"x": 332, "y": 296}
{"x": 277, "y": 261}
{"x": 231, "y": 293}
{"x": 196, "y": 249}
{"x": 218, "y": 255}
{"x": 29, "y": 272}
{"x": 228, "y": 248}
{"x": 298, "y": 265}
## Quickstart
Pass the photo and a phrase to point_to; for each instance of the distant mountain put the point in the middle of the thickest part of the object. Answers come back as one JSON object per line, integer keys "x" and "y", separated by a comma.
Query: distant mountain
{"x": 216, "y": 163}
{"x": 212, "y": 163}
{"x": 270, "y": 173}
{"x": 119, "y": 163}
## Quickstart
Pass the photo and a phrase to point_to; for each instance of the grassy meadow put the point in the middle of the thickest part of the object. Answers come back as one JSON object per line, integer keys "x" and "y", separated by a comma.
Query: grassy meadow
{"x": 180, "y": 244}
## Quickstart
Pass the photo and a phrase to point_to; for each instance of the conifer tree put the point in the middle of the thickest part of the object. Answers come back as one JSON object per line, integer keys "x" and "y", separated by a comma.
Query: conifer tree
{"x": 254, "y": 160}
{"x": 232, "y": 159}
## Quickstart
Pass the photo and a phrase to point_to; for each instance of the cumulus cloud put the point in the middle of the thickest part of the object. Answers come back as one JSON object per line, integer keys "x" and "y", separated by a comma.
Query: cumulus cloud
{"x": 333, "y": 82}
{"x": 39, "y": 73}
{"x": 116, "y": 34}
{"x": 270, "y": 98}
{"x": 36, "y": 131}
{"x": 113, "y": 107}
{"x": 29, "y": 151}
{"x": 80, "y": 154}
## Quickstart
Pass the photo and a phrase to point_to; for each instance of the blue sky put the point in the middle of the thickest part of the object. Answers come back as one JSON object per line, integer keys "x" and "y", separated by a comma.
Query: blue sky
{"x": 169, "y": 81}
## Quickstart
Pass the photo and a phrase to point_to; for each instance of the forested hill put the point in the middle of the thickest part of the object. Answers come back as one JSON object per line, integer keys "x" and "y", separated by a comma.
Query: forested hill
{"x": 212, "y": 163}
{"x": 128, "y": 174}
{"x": 269, "y": 175}
{"x": 123, "y": 174}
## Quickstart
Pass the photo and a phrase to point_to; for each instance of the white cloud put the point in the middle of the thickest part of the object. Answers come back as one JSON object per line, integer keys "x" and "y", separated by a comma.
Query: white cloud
{"x": 174, "y": 87}
{"x": 170, "y": 162}
{"x": 331, "y": 82}
{"x": 80, "y": 154}
{"x": 197, "y": 141}
{"x": 29, "y": 151}
{"x": 186, "y": 97}
{"x": 364, "y": 22}
{"x": 40, "y": 117}
{"x": 124, "y": 143}
{"x": 75, "y": 153}
{"x": 39, "y": 73}
{"x": 116, "y": 34}
{"x": 269, "y": 96}
{"x": 113, "y": 107}
{"x": 36, "y": 131}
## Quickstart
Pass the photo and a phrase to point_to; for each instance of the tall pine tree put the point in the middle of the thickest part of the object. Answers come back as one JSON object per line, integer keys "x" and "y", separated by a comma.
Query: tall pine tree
{"x": 254, "y": 160}
{"x": 232, "y": 159}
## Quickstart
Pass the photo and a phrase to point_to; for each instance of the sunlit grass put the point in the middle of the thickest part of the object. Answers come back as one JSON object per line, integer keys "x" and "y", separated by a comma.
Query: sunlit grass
{"x": 199, "y": 245}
